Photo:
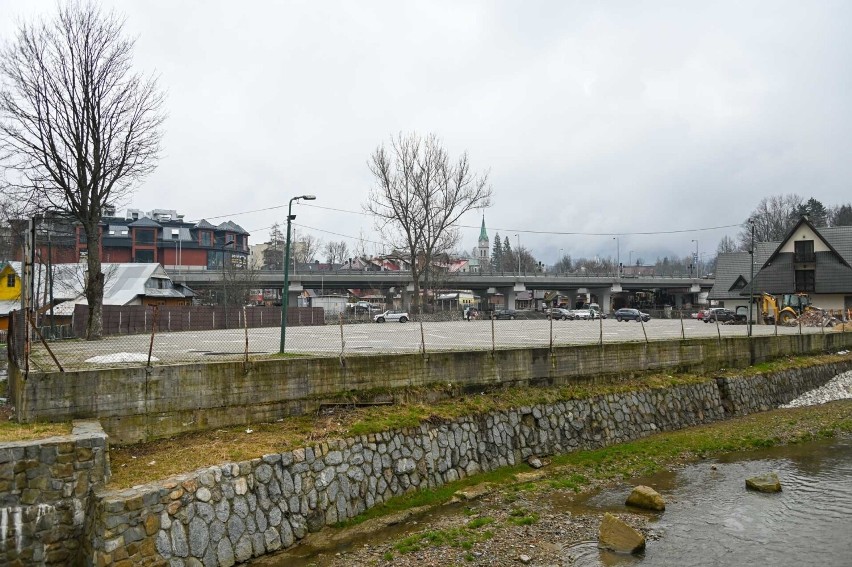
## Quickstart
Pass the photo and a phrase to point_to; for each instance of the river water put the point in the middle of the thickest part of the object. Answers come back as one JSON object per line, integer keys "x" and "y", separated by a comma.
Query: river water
{"x": 711, "y": 519}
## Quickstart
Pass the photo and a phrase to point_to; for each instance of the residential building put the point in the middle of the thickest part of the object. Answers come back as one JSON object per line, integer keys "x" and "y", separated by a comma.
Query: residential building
{"x": 160, "y": 236}
{"x": 810, "y": 260}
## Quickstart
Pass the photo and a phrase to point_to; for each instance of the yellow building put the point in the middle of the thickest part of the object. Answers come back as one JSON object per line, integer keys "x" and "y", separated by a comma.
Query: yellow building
{"x": 10, "y": 292}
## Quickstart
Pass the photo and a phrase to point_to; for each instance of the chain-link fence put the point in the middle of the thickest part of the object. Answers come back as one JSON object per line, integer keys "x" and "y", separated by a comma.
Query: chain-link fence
{"x": 142, "y": 336}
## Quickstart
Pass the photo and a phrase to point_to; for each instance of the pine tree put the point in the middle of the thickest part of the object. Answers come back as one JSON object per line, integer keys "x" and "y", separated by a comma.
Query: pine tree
{"x": 508, "y": 263}
{"x": 497, "y": 254}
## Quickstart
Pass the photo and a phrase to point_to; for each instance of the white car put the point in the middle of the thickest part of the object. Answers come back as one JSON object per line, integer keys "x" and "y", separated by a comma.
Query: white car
{"x": 389, "y": 315}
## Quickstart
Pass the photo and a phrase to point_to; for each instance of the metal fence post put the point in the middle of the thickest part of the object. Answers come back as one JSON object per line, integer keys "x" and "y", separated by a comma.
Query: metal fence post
{"x": 422, "y": 339}
{"x": 551, "y": 331}
{"x": 642, "y": 321}
{"x": 682, "y": 330}
{"x": 153, "y": 330}
{"x": 245, "y": 324}
{"x": 600, "y": 320}
{"x": 718, "y": 330}
{"x": 342, "y": 341}
{"x": 493, "y": 342}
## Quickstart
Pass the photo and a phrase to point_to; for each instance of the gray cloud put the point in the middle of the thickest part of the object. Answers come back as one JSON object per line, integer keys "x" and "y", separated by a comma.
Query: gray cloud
{"x": 624, "y": 117}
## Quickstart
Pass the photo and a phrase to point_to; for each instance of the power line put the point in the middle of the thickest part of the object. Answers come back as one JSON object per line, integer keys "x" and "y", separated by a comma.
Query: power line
{"x": 495, "y": 229}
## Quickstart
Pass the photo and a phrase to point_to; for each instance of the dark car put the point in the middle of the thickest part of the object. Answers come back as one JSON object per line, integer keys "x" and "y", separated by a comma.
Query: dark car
{"x": 560, "y": 314}
{"x": 628, "y": 314}
{"x": 720, "y": 314}
{"x": 503, "y": 314}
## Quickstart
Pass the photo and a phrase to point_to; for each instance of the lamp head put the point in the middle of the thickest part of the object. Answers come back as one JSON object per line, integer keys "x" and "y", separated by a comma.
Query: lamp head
{"x": 229, "y": 242}
{"x": 308, "y": 197}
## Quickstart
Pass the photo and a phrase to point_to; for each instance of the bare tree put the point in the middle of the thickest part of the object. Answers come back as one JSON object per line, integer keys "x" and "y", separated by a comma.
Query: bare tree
{"x": 772, "y": 218}
{"x": 77, "y": 127}
{"x": 306, "y": 248}
{"x": 726, "y": 245}
{"x": 336, "y": 252}
{"x": 419, "y": 196}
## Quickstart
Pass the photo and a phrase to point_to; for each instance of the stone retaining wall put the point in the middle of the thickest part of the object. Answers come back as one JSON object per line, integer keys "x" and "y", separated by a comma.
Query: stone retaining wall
{"x": 45, "y": 496}
{"x": 230, "y": 513}
{"x": 139, "y": 404}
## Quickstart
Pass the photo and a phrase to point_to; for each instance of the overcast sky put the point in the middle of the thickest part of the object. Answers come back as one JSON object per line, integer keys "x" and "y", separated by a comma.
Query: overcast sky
{"x": 611, "y": 117}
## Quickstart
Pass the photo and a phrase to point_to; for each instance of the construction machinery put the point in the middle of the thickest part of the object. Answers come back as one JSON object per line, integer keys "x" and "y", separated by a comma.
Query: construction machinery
{"x": 792, "y": 306}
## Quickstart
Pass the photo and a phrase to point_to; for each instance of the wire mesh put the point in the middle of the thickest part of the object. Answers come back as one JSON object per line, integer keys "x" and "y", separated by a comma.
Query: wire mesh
{"x": 156, "y": 335}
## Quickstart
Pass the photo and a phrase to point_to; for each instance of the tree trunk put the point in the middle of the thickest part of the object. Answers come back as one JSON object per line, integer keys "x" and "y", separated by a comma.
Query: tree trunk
{"x": 94, "y": 283}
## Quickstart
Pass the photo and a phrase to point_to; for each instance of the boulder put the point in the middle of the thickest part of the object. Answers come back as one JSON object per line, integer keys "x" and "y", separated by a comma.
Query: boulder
{"x": 764, "y": 483}
{"x": 647, "y": 498}
{"x": 615, "y": 535}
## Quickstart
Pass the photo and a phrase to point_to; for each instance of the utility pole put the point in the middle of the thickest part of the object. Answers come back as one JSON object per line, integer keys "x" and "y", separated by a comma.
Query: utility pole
{"x": 751, "y": 281}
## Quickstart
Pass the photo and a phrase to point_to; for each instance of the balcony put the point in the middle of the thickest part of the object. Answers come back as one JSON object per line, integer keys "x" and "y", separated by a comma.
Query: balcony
{"x": 804, "y": 258}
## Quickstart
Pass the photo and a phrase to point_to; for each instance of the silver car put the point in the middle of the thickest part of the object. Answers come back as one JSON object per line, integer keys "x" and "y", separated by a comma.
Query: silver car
{"x": 390, "y": 315}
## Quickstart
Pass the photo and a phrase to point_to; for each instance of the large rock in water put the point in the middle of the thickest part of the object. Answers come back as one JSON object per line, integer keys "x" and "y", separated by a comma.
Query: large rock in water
{"x": 764, "y": 483}
{"x": 647, "y": 498}
{"x": 618, "y": 536}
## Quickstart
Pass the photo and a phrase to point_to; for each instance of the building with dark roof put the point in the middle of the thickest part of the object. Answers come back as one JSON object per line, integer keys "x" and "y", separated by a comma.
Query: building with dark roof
{"x": 816, "y": 261}
{"x": 160, "y": 236}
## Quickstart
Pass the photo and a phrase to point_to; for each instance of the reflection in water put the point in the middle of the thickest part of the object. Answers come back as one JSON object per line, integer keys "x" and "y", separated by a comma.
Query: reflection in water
{"x": 711, "y": 519}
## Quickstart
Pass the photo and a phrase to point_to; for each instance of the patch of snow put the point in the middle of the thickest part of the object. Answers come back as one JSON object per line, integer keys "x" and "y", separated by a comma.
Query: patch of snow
{"x": 121, "y": 357}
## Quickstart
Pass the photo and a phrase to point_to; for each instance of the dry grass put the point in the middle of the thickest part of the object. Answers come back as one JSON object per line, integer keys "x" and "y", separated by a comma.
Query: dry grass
{"x": 11, "y": 432}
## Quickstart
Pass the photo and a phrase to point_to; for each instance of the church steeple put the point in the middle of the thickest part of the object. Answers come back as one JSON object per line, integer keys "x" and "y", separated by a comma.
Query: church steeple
{"x": 483, "y": 247}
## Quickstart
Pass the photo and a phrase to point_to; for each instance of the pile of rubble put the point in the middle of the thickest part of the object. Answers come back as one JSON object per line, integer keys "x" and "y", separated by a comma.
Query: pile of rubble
{"x": 816, "y": 318}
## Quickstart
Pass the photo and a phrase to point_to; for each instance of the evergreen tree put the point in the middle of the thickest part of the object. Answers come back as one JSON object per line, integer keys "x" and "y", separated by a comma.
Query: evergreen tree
{"x": 497, "y": 254}
{"x": 509, "y": 263}
{"x": 841, "y": 215}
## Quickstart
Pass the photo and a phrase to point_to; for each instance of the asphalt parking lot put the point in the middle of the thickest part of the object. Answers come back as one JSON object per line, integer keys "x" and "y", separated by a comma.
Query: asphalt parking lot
{"x": 374, "y": 338}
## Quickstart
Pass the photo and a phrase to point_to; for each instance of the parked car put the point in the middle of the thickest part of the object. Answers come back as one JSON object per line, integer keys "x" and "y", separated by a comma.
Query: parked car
{"x": 628, "y": 314}
{"x": 560, "y": 314}
{"x": 720, "y": 314}
{"x": 584, "y": 314}
{"x": 390, "y": 315}
{"x": 503, "y": 314}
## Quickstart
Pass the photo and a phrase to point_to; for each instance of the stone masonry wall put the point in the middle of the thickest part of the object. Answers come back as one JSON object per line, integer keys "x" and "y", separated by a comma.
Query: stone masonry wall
{"x": 45, "y": 492}
{"x": 231, "y": 513}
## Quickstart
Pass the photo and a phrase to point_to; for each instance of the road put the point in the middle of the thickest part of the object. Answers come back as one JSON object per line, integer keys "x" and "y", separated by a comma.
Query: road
{"x": 355, "y": 339}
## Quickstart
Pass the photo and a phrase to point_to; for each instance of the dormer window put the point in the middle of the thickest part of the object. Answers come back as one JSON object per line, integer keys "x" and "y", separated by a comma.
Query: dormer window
{"x": 804, "y": 251}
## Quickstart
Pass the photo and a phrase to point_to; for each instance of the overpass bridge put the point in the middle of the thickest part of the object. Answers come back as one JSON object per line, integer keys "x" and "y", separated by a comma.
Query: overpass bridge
{"x": 507, "y": 284}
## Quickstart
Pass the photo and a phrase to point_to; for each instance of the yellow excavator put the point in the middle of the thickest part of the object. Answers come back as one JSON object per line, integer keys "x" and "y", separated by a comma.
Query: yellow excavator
{"x": 791, "y": 307}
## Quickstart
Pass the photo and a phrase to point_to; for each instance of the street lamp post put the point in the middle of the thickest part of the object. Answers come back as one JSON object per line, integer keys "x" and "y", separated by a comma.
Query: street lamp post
{"x": 285, "y": 292}
{"x": 561, "y": 256}
{"x": 617, "y": 255}
{"x": 224, "y": 281}
{"x": 697, "y": 271}
{"x": 519, "y": 253}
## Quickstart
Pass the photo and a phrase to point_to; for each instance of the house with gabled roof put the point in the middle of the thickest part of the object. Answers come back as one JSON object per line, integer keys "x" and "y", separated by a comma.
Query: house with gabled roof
{"x": 812, "y": 260}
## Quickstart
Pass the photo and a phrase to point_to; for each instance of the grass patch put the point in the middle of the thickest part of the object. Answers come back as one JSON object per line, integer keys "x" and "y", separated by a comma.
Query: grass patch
{"x": 461, "y": 538}
{"x": 572, "y": 481}
{"x": 11, "y": 432}
{"x": 522, "y": 517}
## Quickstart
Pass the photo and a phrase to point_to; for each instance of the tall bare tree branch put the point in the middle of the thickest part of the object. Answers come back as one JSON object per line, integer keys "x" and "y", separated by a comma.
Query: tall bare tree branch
{"x": 78, "y": 129}
{"x": 419, "y": 196}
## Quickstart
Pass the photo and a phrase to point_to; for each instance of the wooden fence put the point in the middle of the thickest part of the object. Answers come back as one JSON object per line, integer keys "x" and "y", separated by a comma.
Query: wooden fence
{"x": 134, "y": 319}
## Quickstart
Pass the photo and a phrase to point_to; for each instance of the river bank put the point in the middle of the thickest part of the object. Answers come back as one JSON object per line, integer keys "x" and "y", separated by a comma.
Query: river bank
{"x": 520, "y": 517}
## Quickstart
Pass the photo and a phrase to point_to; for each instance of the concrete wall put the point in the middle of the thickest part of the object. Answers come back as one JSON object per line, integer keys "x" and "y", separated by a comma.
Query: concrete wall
{"x": 46, "y": 496}
{"x": 233, "y": 512}
{"x": 136, "y": 404}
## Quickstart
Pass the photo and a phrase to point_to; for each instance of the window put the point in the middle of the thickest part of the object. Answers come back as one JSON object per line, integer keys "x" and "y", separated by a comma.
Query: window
{"x": 804, "y": 251}
{"x": 144, "y": 256}
{"x": 10, "y": 280}
{"x": 205, "y": 238}
{"x": 805, "y": 280}
{"x": 144, "y": 236}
